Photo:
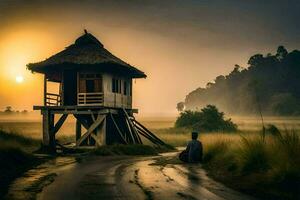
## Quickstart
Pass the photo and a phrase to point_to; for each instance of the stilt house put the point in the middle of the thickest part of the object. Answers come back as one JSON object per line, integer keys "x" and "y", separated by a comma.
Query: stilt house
{"x": 96, "y": 87}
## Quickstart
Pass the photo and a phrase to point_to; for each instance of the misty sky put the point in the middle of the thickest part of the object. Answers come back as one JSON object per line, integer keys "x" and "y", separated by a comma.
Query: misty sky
{"x": 180, "y": 45}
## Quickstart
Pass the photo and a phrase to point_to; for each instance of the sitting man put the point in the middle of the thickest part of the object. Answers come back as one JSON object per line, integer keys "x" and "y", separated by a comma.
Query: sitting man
{"x": 193, "y": 152}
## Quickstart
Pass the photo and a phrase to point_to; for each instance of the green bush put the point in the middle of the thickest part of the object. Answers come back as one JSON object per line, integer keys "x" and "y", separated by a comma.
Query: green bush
{"x": 209, "y": 119}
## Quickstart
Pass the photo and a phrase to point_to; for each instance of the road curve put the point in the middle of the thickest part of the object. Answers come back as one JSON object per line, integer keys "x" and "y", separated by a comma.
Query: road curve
{"x": 123, "y": 178}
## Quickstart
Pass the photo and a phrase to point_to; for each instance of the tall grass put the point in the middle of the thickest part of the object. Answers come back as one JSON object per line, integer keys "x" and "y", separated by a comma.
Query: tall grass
{"x": 15, "y": 157}
{"x": 12, "y": 139}
{"x": 268, "y": 167}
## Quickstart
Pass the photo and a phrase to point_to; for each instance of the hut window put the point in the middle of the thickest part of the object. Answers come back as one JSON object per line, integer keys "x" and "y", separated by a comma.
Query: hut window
{"x": 90, "y": 83}
{"x": 116, "y": 85}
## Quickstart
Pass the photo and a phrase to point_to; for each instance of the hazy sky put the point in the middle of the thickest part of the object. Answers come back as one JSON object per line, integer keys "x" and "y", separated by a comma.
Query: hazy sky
{"x": 180, "y": 45}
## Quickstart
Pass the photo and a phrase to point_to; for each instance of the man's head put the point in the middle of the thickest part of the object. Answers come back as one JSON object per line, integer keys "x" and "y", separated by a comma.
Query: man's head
{"x": 194, "y": 135}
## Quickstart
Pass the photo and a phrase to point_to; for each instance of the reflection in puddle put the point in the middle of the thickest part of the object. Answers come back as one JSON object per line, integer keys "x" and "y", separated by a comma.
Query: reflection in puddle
{"x": 33, "y": 181}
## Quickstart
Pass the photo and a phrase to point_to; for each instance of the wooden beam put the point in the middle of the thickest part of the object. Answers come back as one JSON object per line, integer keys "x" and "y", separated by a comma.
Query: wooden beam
{"x": 149, "y": 137}
{"x": 138, "y": 136}
{"x": 82, "y": 121}
{"x": 59, "y": 124}
{"x": 101, "y": 132}
{"x": 93, "y": 117}
{"x": 129, "y": 121}
{"x": 132, "y": 129}
{"x": 128, "y": 127}
{"x": 149, "y": 132}
{"x": 119, "y": 131}
{"x": 90, "y": 130}
{"x": 78, "y": 109}
{"x": 98, "y": 143}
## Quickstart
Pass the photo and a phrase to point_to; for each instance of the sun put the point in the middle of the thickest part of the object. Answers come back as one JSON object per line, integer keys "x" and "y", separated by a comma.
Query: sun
{"x": 19, "y": 79}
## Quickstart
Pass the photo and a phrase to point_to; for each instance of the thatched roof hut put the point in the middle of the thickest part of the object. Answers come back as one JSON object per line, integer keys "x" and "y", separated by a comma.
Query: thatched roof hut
{"x": 86, "y": 53}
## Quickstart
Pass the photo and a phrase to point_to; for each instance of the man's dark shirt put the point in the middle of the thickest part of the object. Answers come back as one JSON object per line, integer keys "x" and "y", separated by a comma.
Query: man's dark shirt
{"x": 194, "y": 149}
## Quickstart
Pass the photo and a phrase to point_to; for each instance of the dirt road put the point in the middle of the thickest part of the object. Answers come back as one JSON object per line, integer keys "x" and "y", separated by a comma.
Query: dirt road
{"x": 119, "y": 178}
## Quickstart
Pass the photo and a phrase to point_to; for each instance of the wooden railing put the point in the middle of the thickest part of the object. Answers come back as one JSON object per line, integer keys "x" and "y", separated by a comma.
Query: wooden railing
{"x": 90, "y": 99}
{"x": 53, "y": 99}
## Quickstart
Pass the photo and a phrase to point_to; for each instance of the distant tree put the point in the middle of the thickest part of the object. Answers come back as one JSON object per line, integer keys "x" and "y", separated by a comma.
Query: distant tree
{"x": 236, "y": 71}
{"x": 219, "y": 79}
{"x": 24, "y": 111}
{"x": 281, "y": 53}
{"x": 209, "y": 85}
{"x": 255, "y": 60}
{"x": 180, "y": 106}
{"x": 8, "y": 109}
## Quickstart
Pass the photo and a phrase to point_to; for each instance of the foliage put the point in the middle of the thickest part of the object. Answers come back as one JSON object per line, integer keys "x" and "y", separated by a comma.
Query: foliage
{"x": 18, "y": 141}
{"x": 180, "y": 106}
{"x": 209, "y": 119}
{"x": 15, "y": 157}
{"x": 268, "y": 168}
{"x": 273, "y": 80}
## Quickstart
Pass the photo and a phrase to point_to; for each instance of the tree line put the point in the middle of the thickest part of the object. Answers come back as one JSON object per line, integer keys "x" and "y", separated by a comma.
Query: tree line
{"x": 269, "y": 84}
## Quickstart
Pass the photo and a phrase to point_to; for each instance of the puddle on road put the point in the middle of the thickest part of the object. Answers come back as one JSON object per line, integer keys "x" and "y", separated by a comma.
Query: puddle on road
{"x": 33, "y": 181}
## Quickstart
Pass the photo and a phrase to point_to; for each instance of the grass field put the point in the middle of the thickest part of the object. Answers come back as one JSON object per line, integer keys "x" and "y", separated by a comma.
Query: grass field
{"x": 268, "y": 168}
{"x": 15, "y": 157}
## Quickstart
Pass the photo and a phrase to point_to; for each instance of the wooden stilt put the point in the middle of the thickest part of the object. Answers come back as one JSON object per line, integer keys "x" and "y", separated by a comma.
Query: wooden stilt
{"x": 102, "y": 132}
{"x": 78, "y": 130}
{"x": 48, "y": 125}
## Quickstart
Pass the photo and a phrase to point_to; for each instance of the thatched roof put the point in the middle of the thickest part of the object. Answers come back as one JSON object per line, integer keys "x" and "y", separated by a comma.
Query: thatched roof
{"x": 86, "y": 53}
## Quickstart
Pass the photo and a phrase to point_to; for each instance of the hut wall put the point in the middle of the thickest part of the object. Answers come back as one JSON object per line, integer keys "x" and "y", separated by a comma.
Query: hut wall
{"x": 116, "y": 90}
{"x": 114, "y": 94}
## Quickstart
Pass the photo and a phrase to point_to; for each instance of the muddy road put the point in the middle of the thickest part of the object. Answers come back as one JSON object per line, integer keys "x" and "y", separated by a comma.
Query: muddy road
{"x": 118, "y": 178}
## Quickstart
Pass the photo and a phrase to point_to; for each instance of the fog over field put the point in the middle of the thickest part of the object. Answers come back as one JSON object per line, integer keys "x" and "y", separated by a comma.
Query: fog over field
{"x": 30, "y": 124}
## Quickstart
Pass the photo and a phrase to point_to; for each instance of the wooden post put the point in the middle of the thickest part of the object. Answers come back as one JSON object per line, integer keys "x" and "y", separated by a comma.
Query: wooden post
{"x": 48, "y": 125}
{"x": 102, "y": 132}
{"x": 45, "y": 90}
{"x": 52, "y": 133}
{"x": 46, "y": 128}
{"x": 78, "y": 130}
